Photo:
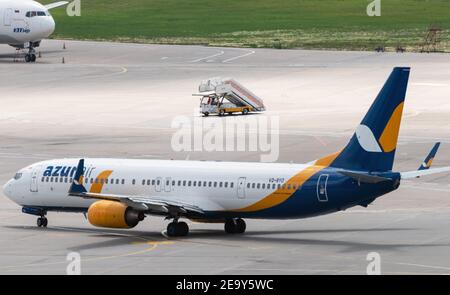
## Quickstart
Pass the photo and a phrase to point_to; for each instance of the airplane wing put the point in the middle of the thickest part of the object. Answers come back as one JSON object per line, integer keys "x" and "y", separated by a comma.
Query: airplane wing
{"x": 158, "y": 205}
{"x": 55, "y": 4}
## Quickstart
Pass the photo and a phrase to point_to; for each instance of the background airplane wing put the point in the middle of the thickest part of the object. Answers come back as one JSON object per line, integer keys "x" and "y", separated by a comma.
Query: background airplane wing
{"x": 419, "y": 173}
{"x": 56, "y": 4}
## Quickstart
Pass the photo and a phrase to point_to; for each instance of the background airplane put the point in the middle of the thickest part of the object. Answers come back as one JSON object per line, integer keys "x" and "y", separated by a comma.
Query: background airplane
{"x": 24, "y": 23}
{"x": 119, "y": 193}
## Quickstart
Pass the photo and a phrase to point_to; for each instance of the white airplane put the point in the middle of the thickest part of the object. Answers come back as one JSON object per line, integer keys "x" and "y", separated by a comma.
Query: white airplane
{"x": 119, "y": 193}
{"x": 24, "y": 23}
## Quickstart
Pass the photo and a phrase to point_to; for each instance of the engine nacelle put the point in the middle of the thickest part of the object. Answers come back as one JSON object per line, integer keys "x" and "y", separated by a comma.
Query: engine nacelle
{"x": 113, "y": 214}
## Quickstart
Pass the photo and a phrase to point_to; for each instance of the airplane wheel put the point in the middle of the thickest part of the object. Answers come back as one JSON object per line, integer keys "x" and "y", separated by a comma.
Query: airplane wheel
{"x": 177, "y": 229}
{"x": 230, "y": 226}
{"x": 44, "y": 222}
{"x": 183, "y": 229}
{"x": 235, "y": 226}
{"x": 240, "y": 226}
{"x": 28, "y": 58}
{"x": 172, "y": 229}
{"x": 33, "y": 57}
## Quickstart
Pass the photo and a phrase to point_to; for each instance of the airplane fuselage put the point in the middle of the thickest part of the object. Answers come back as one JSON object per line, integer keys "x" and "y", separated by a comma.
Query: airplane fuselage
{"x": 221, "y": 189}
{"x": 24, "y": 21}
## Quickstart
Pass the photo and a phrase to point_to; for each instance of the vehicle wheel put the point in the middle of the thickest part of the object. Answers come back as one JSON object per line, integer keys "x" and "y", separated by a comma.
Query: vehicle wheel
{"x": 221, "y": 112}
{"x": 28, "y": 58}
{"x": 33, "y": 58}
{"x": 39, "y": 222}
{"x": 230, "y": 226}
{"x": 244, "y": 111}
{"x": 182, "y": 229}
{"x": 240, "y": 226}
{"x": 230, "y": 113}
{"x": 44, "y": 222}
{"x": 206, "y": 114}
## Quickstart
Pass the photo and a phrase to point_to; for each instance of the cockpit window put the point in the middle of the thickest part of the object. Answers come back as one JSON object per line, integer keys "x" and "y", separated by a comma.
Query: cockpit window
{"x": 18, "y": 175}
{"x": 35, "y": 13}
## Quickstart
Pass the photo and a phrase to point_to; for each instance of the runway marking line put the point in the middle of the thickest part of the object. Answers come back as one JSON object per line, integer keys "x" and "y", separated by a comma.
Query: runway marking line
{"x": 208, "y": 57}
{"x": 240, "y": 56}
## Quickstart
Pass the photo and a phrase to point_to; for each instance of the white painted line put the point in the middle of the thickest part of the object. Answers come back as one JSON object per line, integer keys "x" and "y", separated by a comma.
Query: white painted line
{"x": 208, "y": 57}
{"x": 240, "y": 56}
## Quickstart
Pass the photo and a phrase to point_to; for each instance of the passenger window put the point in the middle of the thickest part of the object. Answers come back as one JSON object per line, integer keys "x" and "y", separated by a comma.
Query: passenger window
{"x": 65, "y": 179}
{"x": 46, "y": 179}
{"x": 194, "y": 183}
{"x": 204, "y": 183}
{"x": 189, "y": 183}
{"x": 215, "y": 183}
{"x": 210, "y": 184}
{"x": 42, "y": 179}
{"x": 179, "y": 182}
{"x": 232, "y": 184}
{"x": 263, "y": 186}
{"x": 258, "y": 186}
{"x": 279, "y": 186}
{"x": 184, "y": 182}
{"x": 123, "y": 181}
{"x": 153, "y": 182}
{"x": 117, "y": 180}
{"x": 158, "y": 182}
{"x": 173, "y": 182}
{"x": 220, "y": 184}
{"x": 96, "y": 180}
{"x": 289, "y": 186}
{"x": 70, "y": 180}
{"x": 133, "y": 182}
{"x": 199, "y": 183}
{"x": 274, "y": 186}
{"x": 56, "y": 179}
{"x": 253, "y": 185}
{"x": 226, "y": 183}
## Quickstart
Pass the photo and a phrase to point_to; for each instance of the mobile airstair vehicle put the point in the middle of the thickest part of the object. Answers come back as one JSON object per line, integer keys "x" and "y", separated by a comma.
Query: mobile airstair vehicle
{"x": 227, "y": 96}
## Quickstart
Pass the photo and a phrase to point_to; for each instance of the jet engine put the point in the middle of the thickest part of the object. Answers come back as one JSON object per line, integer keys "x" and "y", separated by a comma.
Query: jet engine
{"x": 113, "y": 214}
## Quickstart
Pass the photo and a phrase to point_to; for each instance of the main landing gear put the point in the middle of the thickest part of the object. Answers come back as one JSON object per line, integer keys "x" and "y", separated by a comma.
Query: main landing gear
{"x": 177, "y": 228}
{"x": 235, "y": 226}
{"x": 42, "y": 221}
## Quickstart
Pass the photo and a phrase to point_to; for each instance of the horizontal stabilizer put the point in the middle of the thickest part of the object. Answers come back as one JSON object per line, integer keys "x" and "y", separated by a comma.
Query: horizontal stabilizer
{"x": 366, "y": 178}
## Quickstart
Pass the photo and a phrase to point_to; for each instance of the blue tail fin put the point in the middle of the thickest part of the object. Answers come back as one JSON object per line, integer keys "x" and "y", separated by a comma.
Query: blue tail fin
{"x": 372, "y": 147}
{"x": 77, "y": 187}
{"x": 429, "y": 159}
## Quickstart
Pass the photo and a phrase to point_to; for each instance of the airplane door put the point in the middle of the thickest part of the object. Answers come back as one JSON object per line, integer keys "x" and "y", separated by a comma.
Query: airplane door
{"x": 322, "y": 194}
{"x": 34, "y": 179}
{"x": 7, "y": 16}
{"x": 168, "y": 184}
{"x": 241, "y": 188}
{"x": 158, "y": 184}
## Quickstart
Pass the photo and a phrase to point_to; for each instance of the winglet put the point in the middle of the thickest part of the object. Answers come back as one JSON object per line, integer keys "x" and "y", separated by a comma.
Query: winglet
{"x": 77, "y": 187}
{"x": 429, "y": 159}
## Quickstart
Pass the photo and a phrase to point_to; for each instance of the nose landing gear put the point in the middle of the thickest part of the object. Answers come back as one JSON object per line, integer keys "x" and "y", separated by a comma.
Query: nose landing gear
{"x": 42, "y": 221}
{"x": 31, "y": 55}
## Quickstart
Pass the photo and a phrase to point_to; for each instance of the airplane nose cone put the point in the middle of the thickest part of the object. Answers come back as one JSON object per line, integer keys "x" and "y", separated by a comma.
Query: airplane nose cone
{"x": 7, "y": 191}
{"x": 49, "y": 26}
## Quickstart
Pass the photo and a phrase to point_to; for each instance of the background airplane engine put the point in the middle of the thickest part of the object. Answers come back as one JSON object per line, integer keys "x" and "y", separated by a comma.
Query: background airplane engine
{"x": 113, "y": 215}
